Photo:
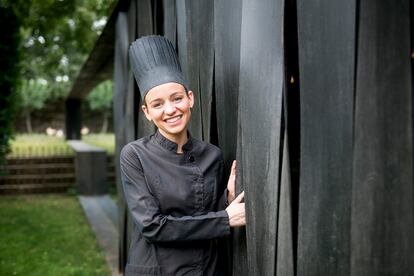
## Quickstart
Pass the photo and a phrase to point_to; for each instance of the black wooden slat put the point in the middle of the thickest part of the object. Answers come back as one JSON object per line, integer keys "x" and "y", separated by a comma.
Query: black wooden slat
{"x": 188, "y": 53}
{"x": 260, "y": 104}
{"x": 119, "y": 102}
{"x": 145, "y": 26}
{"x": 326, "y": 35}
{"x": 227, "y": 29}
{"x": 382, "y": 203}
{"x": 202, "y": 23}
{"x": 284, "y": 261}
{"x": 170, "y": 21}
{"x": 131, "y": 100}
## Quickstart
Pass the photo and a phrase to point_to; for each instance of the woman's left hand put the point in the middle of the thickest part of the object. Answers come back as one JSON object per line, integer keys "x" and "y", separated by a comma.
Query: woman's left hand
{"x": 231, "y": 184}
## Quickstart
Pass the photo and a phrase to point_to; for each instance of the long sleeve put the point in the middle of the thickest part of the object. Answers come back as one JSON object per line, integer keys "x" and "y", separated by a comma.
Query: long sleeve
{"x": 146, "y": 212}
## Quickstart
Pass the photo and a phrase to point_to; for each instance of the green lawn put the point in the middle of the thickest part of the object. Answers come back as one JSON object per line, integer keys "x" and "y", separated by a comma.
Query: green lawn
{"x": 106, "y": 141}
{"x": 47, "y": 235}
{"x": 39, "y": 145}
{"x": 43, "y": 145}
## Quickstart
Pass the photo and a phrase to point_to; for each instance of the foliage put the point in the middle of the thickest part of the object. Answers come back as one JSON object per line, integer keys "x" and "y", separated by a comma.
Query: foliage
{"x": 105, "y": 141}
{"x": 33, "y": 95}
{"x": 101, "y": 99}
{"x": 9, "y": 75}
{"x": 47, "y": 235}
{"x": 58, "y": 36}
{"x": 54, "y": 38}
{"x": 39, "y": 144}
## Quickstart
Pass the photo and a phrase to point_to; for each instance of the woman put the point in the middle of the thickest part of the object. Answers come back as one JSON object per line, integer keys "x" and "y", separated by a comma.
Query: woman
{"x": 172, "y": 182}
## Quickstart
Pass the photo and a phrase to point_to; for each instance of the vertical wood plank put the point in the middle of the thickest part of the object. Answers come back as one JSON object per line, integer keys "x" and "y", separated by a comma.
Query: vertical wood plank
{"x": 119, "y": 101}
{"x": 203, "y": 34}
{"x": 188, "y": 54}
{"x": 284, "y": 260}
{"x": 382, "y": 213}
{"x": 145, "y": 26}
{"x": 170, "y": 21}
{"x": 326, "y": 31}
{"x": 227, "y": 31}
{"x": 260, "y": 104}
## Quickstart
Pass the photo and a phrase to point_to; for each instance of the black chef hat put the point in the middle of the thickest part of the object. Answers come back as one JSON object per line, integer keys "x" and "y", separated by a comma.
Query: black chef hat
{"x": 154, "y": 62}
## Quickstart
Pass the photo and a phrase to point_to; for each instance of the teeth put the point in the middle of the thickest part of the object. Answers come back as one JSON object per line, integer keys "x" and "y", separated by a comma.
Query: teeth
{"x": 172, "y": 120}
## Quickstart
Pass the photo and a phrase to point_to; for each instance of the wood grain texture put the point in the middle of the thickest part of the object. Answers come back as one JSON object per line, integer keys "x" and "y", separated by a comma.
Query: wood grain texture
{"x": 260, "y": 107}
{"x": 382, "y": 202}
{"x": 326, "y": 32}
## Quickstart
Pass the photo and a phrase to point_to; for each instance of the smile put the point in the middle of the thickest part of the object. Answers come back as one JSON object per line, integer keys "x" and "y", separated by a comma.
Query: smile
{"x": 173, "y": 119}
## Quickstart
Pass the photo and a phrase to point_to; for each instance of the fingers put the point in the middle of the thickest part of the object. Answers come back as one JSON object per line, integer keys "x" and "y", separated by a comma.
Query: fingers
{"x": 239, "y": 198}
{"x": 233, "y": 167}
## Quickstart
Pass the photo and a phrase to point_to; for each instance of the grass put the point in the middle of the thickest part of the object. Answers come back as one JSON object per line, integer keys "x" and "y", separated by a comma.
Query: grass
{"x": 43, "y": 145}
{"x": 104, "y": 140}
{"x": 47, "y": 235}
{"x": 39, "y": 145}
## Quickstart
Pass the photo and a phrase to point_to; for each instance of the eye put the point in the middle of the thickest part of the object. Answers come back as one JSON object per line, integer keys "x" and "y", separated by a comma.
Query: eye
{"x": 156, "y": 105}
{"x": 177, "y": 98}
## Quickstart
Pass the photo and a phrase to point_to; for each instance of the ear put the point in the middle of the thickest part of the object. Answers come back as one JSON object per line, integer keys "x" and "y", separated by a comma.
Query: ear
{"x": 145, "y": 110}
{"x": 190, "y": 95}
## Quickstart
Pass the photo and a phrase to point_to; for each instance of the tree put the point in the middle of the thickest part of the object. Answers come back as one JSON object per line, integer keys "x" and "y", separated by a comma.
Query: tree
{"x": 33, "y": 95}
{"x": 101, "y": 99}
{"x": 57, "y": 38}
{"x": 9, "y": 76}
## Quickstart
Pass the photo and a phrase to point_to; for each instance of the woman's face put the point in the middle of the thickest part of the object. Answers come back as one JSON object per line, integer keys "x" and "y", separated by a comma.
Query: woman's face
{"x": 168, "y": 106}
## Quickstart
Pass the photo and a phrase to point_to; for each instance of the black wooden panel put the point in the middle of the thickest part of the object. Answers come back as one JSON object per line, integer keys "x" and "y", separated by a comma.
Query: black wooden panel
{"x": 119, "y": 102}
{"x": 188, "y": 53}
{"x": 170, "y": 21}
{"x": 284, "y": 261}
{"x": 131, "y": 100}
{"x": 260, "y": 104}
{"x": 326, "y": 31}
{"x": 202, "y": 27}
{"x": 73, "y": 119}
{"x": 227, "y": 29}
{"x": 382, "y": 213}
{"x": 145, "y": 26}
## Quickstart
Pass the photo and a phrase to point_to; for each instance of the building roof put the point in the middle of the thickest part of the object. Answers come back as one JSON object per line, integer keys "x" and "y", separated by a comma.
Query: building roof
{"x": 99, "y": 65}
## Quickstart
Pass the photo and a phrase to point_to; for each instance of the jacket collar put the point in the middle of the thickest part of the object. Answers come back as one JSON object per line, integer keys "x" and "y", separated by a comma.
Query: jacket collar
{"x": 170, "y": 145}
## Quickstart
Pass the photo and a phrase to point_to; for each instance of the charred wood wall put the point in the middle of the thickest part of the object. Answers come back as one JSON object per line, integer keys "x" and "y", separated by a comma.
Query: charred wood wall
{"x": 314, "y": 99}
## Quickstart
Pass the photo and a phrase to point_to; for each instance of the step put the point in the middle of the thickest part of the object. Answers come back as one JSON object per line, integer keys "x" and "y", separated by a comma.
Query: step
{"x": 37, "y": 179}
{"x": 34, "y": 188}
{"x": 40, "y": 166}
{"x": 40, "y": 160}
{"x": 39, "y": 169}
{"x": 39, "y": 176}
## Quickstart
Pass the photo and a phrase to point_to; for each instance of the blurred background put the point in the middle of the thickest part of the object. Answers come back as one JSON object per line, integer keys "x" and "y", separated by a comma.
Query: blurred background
{"x": 43, "y": 46}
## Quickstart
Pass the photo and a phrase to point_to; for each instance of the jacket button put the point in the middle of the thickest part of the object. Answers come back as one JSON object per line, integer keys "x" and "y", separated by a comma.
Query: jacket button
{"x": 191, "y": 158}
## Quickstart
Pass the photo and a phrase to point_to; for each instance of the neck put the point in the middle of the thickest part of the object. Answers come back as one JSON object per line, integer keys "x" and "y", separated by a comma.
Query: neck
{"x": 179, "y": 139}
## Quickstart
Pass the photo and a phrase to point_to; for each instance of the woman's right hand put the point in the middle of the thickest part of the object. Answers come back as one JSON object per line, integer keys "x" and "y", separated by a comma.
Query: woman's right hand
{"x": 236, "y": 212}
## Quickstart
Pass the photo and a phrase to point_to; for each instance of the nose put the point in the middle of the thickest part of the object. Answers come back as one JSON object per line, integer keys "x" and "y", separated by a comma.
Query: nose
{"x": 169, "y": 108}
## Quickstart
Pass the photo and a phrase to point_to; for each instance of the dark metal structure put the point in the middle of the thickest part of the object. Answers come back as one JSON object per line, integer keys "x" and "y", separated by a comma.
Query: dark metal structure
{"x": 315, "y": 100}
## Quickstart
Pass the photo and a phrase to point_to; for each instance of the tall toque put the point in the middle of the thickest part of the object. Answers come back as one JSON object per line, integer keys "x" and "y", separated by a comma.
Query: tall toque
{"x": 154, "y": 62}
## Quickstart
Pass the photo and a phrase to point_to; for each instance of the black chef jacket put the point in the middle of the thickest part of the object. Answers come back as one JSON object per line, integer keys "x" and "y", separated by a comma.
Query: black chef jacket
{"x": 177, "y": 204}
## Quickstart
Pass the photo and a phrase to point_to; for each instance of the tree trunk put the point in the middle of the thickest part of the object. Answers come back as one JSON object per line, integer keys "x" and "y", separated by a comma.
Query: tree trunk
{"x": 28, "y": 122}
{"x": 104, "y": 128}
